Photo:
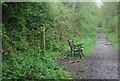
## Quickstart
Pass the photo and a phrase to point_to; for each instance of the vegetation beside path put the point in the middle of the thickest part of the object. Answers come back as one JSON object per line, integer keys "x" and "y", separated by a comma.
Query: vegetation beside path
{"x": 22, "y": 58}
{"x": 109, "y": 17}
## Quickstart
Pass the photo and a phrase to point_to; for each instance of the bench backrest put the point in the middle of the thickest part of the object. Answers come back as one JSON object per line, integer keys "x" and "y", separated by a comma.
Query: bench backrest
{"x": 71, "y": 43}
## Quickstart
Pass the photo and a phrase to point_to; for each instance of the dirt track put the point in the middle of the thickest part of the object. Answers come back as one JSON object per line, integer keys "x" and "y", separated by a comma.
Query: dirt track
{"x": 101, "y": 64}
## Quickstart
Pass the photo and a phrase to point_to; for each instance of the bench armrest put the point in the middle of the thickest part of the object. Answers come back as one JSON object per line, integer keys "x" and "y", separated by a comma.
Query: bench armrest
{"x": 79, "y": 45}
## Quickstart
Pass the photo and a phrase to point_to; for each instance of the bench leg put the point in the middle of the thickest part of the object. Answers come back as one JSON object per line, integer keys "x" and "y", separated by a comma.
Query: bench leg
{"x": 71, "y": 52}
{"x": 80, "y": 55}
{"x": 74, "y": 53}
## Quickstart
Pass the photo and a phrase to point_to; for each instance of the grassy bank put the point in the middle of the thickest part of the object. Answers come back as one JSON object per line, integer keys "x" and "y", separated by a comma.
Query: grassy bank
{"x": 113, "y": 37}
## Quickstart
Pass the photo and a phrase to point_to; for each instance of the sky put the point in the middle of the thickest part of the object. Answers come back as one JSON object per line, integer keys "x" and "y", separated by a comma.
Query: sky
{"x": 99, "y": 3}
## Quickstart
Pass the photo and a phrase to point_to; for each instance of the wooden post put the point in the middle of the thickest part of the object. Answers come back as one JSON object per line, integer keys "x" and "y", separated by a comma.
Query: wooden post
{"x": 42, "y": 38}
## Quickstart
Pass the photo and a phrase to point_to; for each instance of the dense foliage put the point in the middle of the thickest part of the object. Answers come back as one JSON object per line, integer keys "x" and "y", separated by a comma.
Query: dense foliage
{"x": 21, "y": 49}
{"x": 109, "y": 15}
{"x": 22, "y": 58}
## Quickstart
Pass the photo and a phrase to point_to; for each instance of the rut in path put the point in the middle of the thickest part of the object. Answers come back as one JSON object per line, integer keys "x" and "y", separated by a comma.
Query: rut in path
{"x": 102, "y": 64}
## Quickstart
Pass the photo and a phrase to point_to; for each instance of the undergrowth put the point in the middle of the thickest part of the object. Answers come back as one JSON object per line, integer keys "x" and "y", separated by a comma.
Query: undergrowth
{"x": 32, "y": 65}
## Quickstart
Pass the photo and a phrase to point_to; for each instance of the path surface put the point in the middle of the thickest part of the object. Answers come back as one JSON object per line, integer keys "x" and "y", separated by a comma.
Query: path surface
{"x": 102, "y": 64}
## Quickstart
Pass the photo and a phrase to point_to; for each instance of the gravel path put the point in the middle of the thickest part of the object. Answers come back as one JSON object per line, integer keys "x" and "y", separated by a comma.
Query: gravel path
{"x": 101, "y": 64}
